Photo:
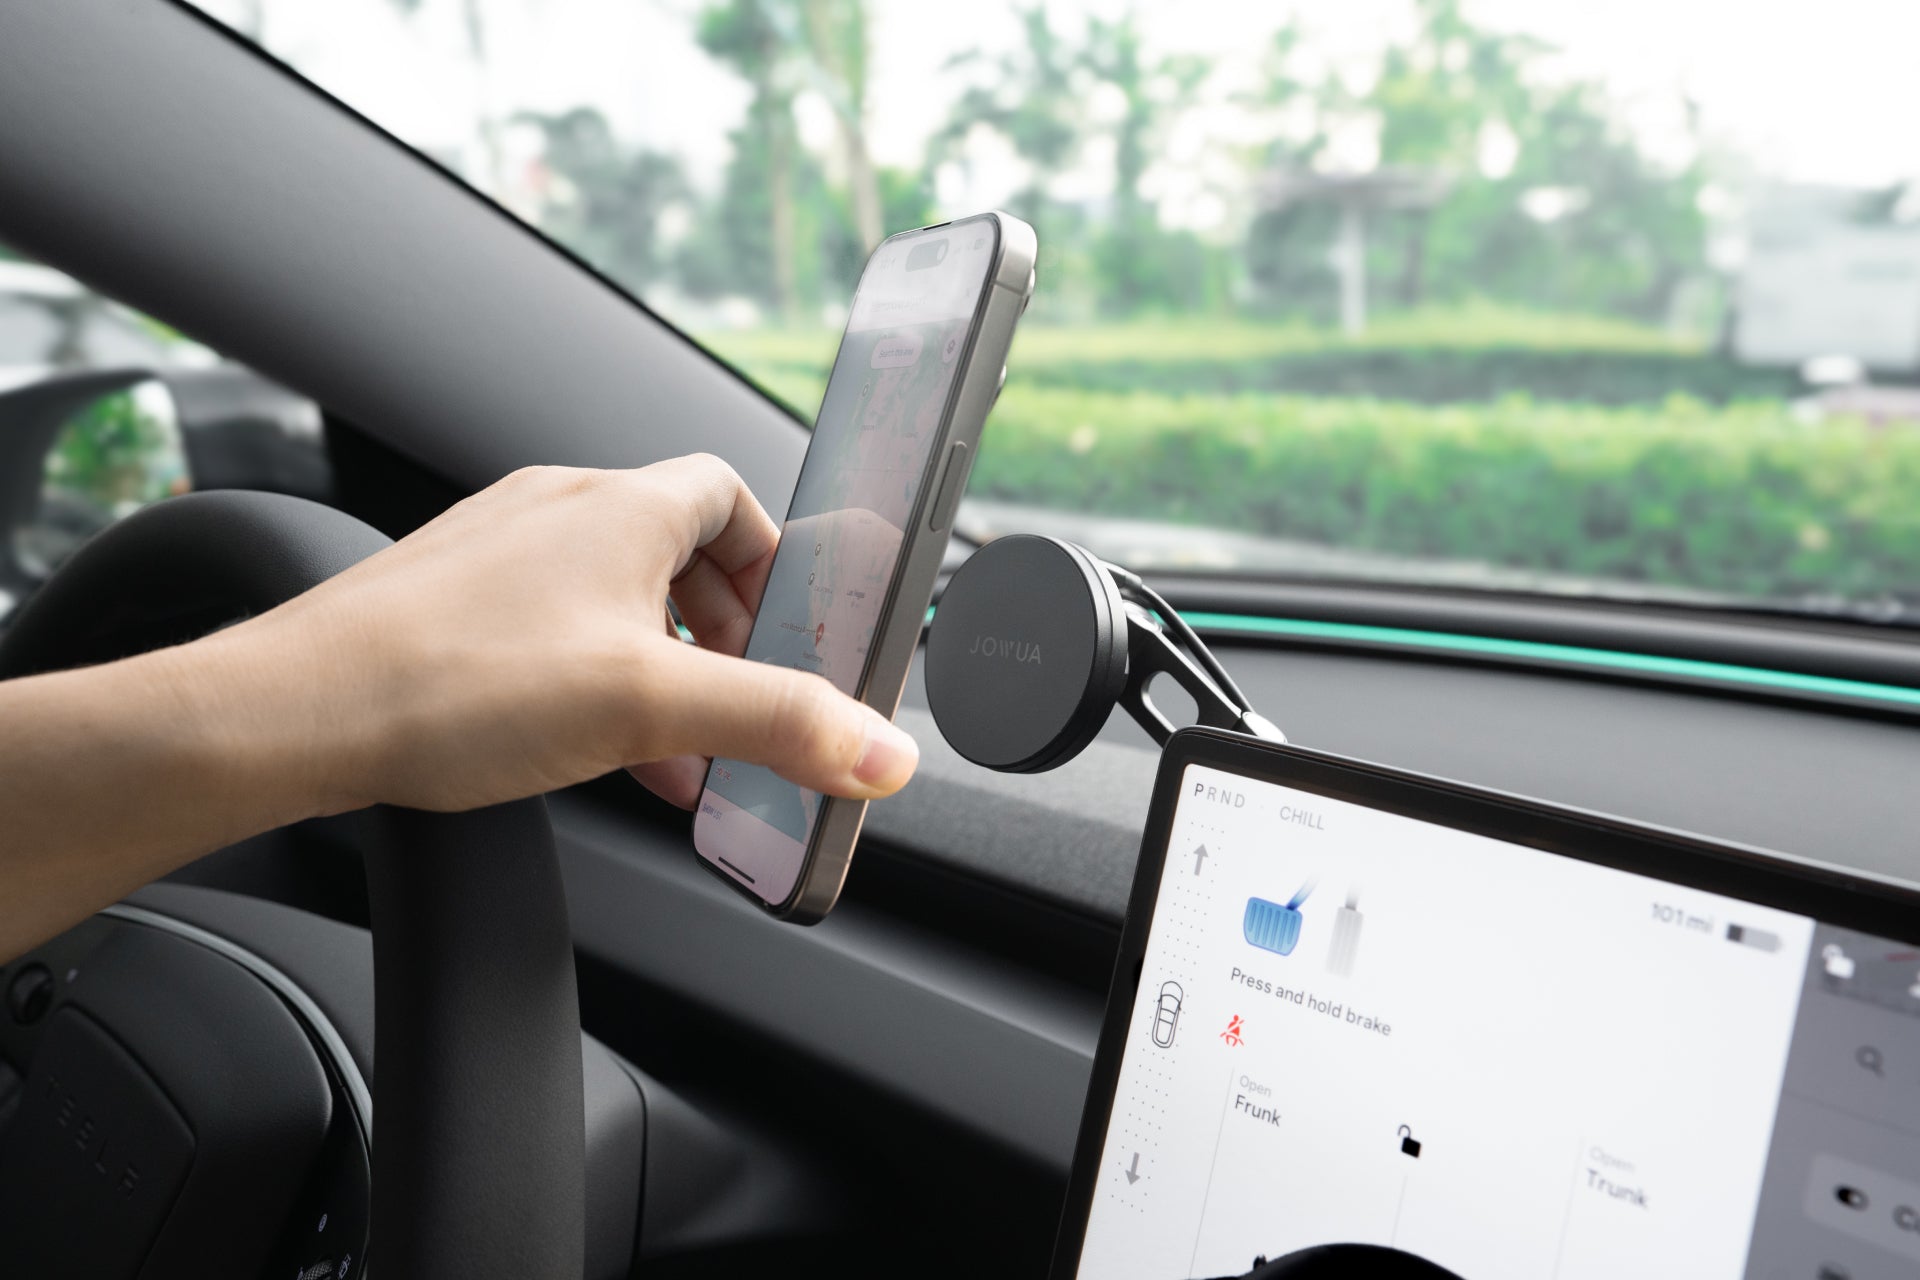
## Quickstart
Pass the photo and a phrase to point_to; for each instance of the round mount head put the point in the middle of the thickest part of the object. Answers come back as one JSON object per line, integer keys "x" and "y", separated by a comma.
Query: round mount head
{"x": 1027, "y": 655}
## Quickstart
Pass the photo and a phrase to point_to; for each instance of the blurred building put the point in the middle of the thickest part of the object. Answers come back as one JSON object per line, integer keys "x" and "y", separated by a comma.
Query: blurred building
{"x": 1832, "y": 275}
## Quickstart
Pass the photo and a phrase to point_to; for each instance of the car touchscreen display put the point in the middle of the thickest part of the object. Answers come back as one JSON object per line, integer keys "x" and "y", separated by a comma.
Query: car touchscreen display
{"x": 840, "y": 546}
{"x": 1352, "y": 1026}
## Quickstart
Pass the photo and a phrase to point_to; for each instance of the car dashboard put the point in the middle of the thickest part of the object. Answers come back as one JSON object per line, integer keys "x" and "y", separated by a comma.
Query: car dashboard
{"x": 946, "y": 1014}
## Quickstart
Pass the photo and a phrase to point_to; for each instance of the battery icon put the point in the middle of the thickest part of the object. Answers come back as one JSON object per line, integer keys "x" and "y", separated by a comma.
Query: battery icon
{"x": 1759, "y": 939}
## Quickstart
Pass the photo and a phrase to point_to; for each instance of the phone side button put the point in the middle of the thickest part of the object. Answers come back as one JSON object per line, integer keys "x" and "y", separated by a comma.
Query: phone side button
{"x": 953, "y": 482}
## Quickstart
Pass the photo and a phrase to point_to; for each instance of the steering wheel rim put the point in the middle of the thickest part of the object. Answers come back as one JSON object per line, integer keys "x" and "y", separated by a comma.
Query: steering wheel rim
{"x": 480, "y": 1165}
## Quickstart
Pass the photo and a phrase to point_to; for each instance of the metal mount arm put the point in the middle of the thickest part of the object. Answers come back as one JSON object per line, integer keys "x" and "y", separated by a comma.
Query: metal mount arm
{"x": 1151, "y": 653}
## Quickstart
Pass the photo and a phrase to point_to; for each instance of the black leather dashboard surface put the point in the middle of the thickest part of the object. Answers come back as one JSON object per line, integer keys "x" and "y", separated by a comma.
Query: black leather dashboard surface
{"x": 1821, "y": 784}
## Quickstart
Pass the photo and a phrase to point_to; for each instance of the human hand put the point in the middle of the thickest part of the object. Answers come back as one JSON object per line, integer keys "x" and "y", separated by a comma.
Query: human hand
{"x": 519, "y": 643}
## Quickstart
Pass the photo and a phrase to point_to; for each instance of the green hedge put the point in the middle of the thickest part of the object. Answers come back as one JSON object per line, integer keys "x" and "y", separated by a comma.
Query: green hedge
{"x": 1561, "y": 445}
{"x": 1433, "y": 375}
{"x": 1739, "y": 498}
{"x": 1471, "y": 327}
{"x": 1473, "y": 353}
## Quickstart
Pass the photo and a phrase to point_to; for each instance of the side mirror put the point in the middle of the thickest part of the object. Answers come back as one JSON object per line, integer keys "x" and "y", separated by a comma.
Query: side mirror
{"x": 80, "y": 450}
{"x": 37, "y": 518}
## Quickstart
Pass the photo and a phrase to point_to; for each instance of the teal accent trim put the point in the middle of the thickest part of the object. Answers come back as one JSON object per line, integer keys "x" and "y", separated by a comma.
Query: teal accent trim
{"x": 1539, "y": 651}
{"x": 1609, "y": 659}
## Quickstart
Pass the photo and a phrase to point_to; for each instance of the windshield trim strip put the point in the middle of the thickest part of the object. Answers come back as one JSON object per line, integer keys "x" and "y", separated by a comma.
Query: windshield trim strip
{"x": 1534, "y": 650}
{"x": 1541, "y": 651}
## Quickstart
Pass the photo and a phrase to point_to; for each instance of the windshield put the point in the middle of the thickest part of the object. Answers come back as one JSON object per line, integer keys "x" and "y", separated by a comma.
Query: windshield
{"x": 1539, "y": 295}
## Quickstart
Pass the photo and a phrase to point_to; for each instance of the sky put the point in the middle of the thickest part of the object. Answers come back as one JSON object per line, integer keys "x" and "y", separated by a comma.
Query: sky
{"x": 1805, "y": 91}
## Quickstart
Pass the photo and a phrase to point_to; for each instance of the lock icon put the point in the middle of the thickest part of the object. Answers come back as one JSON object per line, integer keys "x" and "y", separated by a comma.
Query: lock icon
{"x": 1409, "y": 1145}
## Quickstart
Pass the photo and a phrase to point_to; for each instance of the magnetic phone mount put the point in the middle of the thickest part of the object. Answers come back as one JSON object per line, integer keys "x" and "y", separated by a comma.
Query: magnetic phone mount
{"x": 1037, "y": 639}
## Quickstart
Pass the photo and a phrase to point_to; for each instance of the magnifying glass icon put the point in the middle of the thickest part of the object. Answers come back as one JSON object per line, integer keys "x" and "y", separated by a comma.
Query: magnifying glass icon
{"x": 1869, "y": 1057}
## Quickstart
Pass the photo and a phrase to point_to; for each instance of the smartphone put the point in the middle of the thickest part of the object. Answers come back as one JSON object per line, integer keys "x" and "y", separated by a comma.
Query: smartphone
{"x": 922, "y": 359}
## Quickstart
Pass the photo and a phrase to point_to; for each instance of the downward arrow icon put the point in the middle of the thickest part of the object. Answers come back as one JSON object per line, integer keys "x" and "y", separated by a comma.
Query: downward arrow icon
{"x": 1133, "y": 1174}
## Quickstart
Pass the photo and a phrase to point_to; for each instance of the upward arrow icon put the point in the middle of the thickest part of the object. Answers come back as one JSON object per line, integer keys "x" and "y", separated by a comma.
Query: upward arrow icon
{"x": 1199, "y": 857}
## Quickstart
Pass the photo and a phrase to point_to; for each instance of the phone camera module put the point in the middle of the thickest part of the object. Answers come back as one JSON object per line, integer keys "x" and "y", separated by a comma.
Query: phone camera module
{"x": 930, "y": 254}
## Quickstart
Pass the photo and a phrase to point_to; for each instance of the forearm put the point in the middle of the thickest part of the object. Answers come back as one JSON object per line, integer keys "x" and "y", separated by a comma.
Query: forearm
{"x": 509, "y": 647}
{"x": 112, "y": 776}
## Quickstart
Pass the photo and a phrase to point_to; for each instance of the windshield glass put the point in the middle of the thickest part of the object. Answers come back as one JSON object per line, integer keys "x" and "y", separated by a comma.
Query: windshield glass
{"x": 1518, "y": 294}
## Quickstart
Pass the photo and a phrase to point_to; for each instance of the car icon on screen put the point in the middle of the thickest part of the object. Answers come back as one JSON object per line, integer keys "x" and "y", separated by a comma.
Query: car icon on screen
{"x": 1166, "y": 1014}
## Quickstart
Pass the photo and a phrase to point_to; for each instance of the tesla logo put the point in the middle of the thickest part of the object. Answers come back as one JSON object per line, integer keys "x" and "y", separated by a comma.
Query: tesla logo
{"x": 71, "y": 1114}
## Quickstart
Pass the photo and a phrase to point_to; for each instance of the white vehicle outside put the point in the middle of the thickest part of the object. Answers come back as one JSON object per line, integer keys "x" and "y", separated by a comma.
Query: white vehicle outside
{"x": 1831, "y": 274}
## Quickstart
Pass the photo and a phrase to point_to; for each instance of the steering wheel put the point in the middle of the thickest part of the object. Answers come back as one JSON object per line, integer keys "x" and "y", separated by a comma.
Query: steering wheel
{"x": 479, "y": 1167}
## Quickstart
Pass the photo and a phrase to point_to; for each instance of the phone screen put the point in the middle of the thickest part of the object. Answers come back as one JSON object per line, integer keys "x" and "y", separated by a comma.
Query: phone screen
{"x": 873, "y": 443}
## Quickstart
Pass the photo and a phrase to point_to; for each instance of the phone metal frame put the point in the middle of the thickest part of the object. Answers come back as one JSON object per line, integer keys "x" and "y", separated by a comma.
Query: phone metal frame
{"x": 1833, "y": 895}
{"x": 976, "y": 385}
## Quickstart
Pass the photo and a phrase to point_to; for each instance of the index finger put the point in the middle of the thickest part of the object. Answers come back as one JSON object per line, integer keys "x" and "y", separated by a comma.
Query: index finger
{"x": 726, "y": 550}
{"x": 722, "y": 519}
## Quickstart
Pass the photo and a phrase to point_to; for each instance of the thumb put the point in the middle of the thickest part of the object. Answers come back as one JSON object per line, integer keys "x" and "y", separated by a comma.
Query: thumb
{"x": 793, "y": 722}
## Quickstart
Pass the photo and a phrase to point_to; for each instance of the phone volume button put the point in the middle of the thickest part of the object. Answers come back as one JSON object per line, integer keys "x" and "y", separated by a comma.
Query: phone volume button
{"x": 953, "y": 481}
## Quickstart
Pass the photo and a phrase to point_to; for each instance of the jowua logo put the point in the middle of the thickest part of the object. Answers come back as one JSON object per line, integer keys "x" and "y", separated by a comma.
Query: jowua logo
{"x": 1006, "y": 650}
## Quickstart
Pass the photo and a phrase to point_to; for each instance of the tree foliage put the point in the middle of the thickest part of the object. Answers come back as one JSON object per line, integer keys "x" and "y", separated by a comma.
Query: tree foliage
{"x": 1574, "y": 215}
{"x": 1550, "y": 202}
{"x": 610, "y": 197}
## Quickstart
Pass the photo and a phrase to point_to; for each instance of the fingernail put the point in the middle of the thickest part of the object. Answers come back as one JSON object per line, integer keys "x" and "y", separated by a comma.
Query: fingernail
{"x": 887, "y": 760}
